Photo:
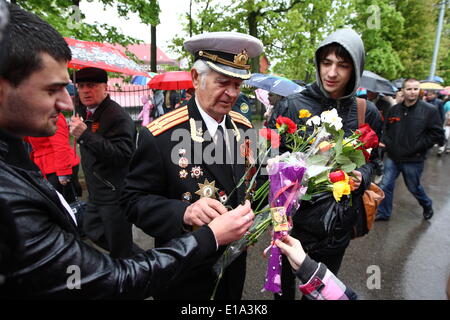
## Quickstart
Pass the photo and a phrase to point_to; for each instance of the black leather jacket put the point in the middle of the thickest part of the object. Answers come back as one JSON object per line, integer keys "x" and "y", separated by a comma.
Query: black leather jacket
{"x": 52, "y": 251}
{"x": 409, "y": 132}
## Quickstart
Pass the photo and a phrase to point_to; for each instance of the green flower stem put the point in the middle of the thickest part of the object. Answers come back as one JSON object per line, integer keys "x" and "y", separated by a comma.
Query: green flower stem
{"x": 261, "y": 211}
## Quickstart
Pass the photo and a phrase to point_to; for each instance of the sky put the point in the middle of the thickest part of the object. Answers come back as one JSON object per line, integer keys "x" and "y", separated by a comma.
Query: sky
{"x": 171, "y": 10}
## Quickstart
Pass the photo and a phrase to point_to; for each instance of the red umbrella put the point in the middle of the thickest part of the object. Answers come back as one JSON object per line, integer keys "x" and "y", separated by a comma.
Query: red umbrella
{"x": 173, "y": 80}
{"x": 103, "y": 56}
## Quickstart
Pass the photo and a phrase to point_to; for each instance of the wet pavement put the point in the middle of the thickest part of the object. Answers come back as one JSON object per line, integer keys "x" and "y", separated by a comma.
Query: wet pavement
{"x": 410, "y": 255}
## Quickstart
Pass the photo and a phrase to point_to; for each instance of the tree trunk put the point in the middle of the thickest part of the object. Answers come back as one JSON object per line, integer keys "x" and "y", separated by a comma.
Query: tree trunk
{"x": 253, "y": 31}
{"x": 153, "y": 50}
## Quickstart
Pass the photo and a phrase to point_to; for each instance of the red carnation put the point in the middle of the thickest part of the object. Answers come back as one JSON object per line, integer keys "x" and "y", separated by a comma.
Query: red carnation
{"x": 368, "y": 136}
{"x": 336, "y": 176}
{"x": 288, "y": 124}
{"x": 271, "y": 136}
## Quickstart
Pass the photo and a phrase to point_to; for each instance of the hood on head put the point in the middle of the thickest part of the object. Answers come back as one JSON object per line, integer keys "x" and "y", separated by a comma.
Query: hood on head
{"x": 353, "y": 43}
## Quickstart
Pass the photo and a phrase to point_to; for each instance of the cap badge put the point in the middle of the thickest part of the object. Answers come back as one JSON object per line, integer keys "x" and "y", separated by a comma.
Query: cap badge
{"x": 241, "y": 58}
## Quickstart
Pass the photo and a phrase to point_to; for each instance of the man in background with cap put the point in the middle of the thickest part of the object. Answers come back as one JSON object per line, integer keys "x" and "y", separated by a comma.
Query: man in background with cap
{"x": 106, "y": 136}
{"x": 188, "y": 162}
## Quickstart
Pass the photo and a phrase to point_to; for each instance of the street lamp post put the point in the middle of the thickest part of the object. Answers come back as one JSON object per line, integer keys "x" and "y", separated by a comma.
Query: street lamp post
{"x": 438, "y": 39}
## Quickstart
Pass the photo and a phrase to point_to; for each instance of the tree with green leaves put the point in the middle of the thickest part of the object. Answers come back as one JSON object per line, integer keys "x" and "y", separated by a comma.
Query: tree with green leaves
{"x": 67, "y": 17}
{"x": 415, "y": 46}
{"x": 381, "y": 26}
{"x": 289, "y": 29}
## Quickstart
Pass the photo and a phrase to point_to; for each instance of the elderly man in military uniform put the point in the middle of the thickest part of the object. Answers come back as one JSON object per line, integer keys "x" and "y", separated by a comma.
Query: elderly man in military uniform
{"x": 188, "y": 163}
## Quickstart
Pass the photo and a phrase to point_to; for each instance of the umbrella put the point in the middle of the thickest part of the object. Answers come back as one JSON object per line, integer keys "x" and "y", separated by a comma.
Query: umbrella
{"x": 142, "y": 80}
{"x": 398, "y": 83}
{"x": 174, "y": 80}
{"x": 103, "y": 56}
{"x": 373, "y": 82}
{"x": 436, "y": 79}
{"x": 430, "y": 85}
{"x": 275, "y": 84}
{"x": 263, "y": 96}
{"x": 446, "y": 91}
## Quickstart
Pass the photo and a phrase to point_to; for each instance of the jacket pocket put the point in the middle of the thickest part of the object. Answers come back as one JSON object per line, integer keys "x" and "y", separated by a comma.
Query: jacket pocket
{"x": 105, "y": 182}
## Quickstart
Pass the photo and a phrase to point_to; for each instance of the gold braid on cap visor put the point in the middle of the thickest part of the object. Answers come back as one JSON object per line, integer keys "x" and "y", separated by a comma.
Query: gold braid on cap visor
{"x": 240, "y": 59}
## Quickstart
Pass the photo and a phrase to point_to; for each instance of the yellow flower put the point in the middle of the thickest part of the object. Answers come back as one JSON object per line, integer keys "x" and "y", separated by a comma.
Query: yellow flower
{"x": 304, "y": 114}
{"x": 341, "y": 188}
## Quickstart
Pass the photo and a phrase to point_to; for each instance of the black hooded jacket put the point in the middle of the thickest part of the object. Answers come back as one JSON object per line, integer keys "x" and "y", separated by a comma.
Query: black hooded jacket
{"x": 308, "y": 221}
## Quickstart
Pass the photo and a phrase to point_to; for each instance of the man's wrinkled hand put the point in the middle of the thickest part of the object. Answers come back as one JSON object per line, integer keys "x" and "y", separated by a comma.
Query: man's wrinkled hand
{"x": 233, "y": 224}
{"x": 203, "y": 211}
{"x": 77, "y": 126}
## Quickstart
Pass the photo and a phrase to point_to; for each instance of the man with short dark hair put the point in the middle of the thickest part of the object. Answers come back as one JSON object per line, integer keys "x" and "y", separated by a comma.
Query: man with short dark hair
{"x": 339, "y": 62}
{"x": 105, "y": 134}
{"x": 54, "y": 262}
{"x": 411, "y": 128}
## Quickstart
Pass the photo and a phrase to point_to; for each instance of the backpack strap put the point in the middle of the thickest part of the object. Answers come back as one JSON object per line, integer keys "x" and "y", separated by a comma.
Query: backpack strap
{"x": 362, "y": 106}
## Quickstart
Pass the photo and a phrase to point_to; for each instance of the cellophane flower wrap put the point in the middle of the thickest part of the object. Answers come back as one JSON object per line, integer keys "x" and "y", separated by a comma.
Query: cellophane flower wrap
{"x": 285, "y": 190}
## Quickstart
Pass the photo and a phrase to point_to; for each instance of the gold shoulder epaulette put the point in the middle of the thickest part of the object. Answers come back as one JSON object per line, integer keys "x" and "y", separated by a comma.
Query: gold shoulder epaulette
{"x": 237, "y": 117}
{"x": 169, "y": 120}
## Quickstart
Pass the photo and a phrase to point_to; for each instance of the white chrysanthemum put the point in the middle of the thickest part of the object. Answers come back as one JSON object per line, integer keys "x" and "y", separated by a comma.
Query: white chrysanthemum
{"x": 313, "y": 121}
{"x": 331, "y": 117}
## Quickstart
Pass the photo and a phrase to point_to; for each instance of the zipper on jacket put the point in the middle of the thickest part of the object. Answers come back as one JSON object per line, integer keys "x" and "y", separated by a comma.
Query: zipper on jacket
{"x": 106, "y": 182}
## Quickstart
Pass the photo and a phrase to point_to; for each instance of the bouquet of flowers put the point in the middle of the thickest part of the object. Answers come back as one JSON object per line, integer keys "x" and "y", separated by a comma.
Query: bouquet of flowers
{"x": 320, "y": 160}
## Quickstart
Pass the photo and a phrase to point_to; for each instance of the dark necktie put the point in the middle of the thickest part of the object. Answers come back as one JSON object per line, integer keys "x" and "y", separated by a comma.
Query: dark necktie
{"x": 221, "y": 145}
{"x": 88, "y": 115}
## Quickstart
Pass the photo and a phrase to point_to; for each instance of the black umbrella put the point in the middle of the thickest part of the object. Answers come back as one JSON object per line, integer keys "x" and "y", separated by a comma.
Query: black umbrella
{"x": 373, "y": 82}
{"x": 398, "y": 83}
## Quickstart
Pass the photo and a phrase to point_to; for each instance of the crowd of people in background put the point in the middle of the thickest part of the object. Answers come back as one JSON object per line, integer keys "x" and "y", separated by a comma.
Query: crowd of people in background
{"x": 133, "y": 180}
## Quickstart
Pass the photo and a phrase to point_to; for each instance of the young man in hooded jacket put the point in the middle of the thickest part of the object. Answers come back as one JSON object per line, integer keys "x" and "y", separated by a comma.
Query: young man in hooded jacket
{"x": 339, "y": 61}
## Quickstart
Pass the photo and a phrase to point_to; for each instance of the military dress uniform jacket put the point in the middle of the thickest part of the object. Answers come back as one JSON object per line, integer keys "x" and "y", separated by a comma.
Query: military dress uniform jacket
{"x": 170, "y": 170}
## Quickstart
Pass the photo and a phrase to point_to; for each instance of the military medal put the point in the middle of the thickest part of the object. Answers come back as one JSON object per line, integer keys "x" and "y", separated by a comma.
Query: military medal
{"x": 196, "y": 172}
{"x": 223, "y": 197}
{"x": 207, "y": 189}
{"x": 186, "y": 196}
{"x": 183, "y": 174}
{"x": 183, "y": 162}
